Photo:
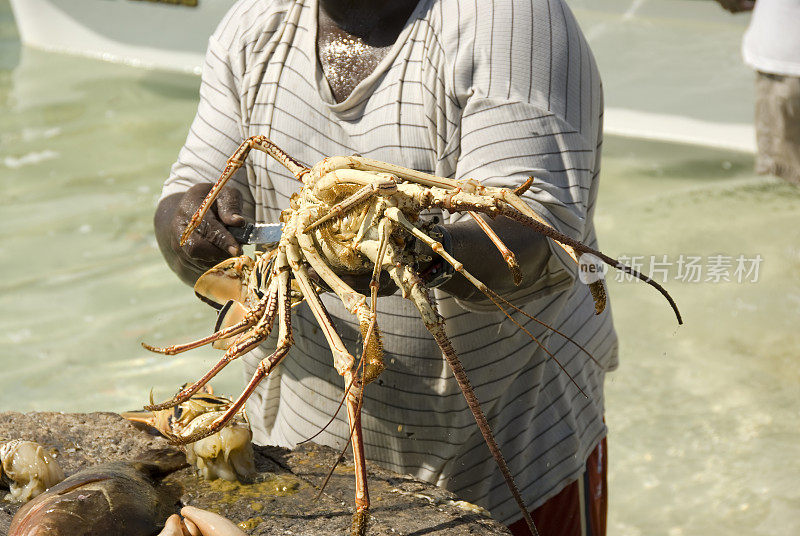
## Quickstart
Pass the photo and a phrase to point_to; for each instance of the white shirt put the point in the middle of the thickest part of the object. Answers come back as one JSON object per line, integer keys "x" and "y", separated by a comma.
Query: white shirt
{"x": 496, "y": 92}
{"x": 772, "y": 41}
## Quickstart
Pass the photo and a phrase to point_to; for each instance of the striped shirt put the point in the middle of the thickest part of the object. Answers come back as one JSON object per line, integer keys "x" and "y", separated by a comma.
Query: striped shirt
{"x": 495, "y": 92}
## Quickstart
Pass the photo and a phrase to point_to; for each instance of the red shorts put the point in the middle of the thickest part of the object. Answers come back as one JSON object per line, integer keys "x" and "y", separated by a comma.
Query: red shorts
{"x": 580, "y": 508}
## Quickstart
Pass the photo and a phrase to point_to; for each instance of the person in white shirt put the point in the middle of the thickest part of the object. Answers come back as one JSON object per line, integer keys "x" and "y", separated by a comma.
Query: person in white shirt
{"x": 771, "y": 46}
{"x": 494, "y": 91}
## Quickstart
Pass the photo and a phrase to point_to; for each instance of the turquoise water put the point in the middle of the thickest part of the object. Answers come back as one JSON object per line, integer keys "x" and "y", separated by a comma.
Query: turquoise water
{"x": 84, "y": 146}
{"x": 704, "y": 418}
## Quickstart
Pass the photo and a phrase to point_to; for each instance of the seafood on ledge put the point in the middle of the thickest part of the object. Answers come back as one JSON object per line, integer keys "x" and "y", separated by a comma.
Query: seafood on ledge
{"x": 27, "y": 470}
{"x": 226, "y": 454}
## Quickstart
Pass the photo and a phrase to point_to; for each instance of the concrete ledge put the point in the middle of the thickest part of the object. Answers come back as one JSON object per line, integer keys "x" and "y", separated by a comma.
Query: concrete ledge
{"x": 282, "y": 498}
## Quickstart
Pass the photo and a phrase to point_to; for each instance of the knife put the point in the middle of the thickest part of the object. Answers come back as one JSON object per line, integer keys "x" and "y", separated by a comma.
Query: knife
{"x": 267, "y": 234}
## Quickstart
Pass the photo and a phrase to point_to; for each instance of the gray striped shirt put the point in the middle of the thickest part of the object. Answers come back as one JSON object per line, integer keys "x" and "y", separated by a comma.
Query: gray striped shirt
{"x": 496, "y": 92}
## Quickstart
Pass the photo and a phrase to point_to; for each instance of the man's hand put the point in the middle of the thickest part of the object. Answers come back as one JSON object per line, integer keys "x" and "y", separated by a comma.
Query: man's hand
{"x": 473, "y": 248}
{"x": 737, "y": 6}
{"x": 210, "y": 243}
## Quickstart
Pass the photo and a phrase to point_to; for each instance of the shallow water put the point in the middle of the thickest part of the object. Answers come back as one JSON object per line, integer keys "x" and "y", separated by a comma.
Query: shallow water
{"x": 704, "y": 420}
{"x": 84, "y": 146}
{"x": 674, "y": 57}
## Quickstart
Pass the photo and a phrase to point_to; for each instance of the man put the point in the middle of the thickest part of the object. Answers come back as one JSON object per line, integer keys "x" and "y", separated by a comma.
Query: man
{"x": 496, "y": 92}
{"x": 772, "y": 48}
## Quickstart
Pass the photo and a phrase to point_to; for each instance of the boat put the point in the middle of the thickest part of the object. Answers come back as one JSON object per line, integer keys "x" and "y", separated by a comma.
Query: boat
{"x": 161, "y": 34}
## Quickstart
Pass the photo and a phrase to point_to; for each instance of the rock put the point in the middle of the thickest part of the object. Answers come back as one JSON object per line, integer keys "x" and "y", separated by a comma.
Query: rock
{"x": 120, "y": 498}
{"x": 79, "y": 440}
{"x": 281, "y": 500}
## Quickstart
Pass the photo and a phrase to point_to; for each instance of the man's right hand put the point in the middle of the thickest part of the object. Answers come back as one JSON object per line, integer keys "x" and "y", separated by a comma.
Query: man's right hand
{"x": 210, "y": 243}
{"x": 737, "y": 6}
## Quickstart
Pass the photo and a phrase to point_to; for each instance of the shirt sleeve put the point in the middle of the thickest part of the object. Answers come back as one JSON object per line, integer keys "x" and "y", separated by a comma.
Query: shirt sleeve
{"x": 532, "y": 106}
{"x": 216, "y": 131}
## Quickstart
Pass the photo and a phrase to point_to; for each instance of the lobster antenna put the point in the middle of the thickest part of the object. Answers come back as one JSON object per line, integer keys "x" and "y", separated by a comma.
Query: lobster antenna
{"x": 538, "y": 342}
{"x": 548, "y": 326}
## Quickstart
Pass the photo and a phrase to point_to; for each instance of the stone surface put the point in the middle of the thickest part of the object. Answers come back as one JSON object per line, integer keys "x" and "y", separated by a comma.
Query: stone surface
{"x": 282, "y": 498}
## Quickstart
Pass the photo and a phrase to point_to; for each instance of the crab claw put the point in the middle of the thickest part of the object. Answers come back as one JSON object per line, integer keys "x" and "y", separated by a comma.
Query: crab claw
{"x": 164, "y": 421}
{"x": 225, "y": 281}
{"x": 231, "y": 314}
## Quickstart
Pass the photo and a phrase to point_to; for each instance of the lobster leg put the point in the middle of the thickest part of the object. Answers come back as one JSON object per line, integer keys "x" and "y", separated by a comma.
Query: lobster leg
{"x": 243, "y": 344}
{"x": 267, "y": 364}
{"x": 508, "y": 255}
{"x": 251, "y": 319}
{"x": 264, "y": 368}
{"x": 262, "y": 143}
{"x": 506, "y": 203}
{"x": 342, "y": 359}
{"x": 360, "y": 163}
{"x": 355, "y": 393}
{"x": 230, "y": 331}
{"x": 374, "y": 283}
{"x": 412, "y": 287}
{"x": 373, "y": 365}
{"x": 354, "y": 399}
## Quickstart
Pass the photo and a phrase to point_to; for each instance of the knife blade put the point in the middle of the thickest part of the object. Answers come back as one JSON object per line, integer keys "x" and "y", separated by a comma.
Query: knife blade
{"x": 267, "y": 234}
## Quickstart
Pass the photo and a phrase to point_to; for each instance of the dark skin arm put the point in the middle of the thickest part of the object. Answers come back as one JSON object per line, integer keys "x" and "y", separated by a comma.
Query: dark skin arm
{"x": 212, "y": 243}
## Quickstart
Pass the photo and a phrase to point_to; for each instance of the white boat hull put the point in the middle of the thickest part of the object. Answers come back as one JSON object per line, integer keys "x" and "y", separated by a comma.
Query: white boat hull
{"x": 152, "y": 34}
